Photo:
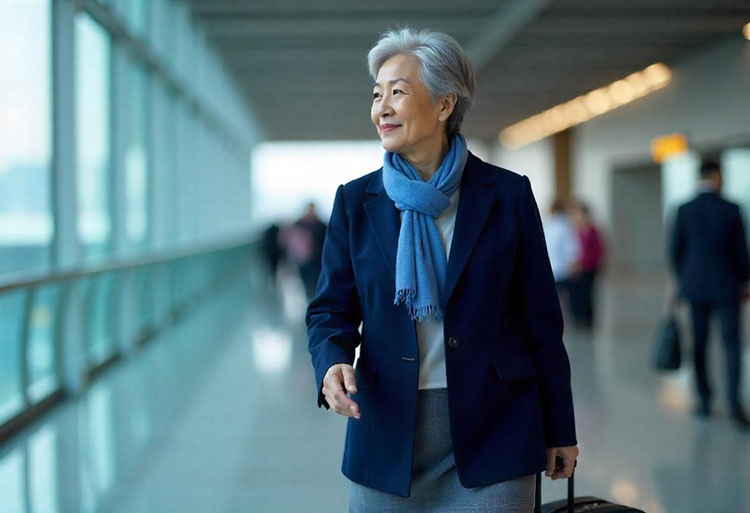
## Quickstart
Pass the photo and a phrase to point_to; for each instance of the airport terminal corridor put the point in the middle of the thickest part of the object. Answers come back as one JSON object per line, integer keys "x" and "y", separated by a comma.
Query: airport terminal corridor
{"x": 161, "y": 159}
{"x": 218, "y": 414}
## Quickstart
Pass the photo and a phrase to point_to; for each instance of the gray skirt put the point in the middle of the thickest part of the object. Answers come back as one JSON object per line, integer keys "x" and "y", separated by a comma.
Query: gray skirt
{"x": 434, "y": 481}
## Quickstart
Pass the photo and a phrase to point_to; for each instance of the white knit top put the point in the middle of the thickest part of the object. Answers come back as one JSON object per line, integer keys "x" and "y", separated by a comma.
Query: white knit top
{"x": 430, "y": 337}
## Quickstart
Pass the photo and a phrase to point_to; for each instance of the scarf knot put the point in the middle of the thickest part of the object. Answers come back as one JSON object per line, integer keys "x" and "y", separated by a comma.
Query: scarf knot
{"x": 421, "y": 263}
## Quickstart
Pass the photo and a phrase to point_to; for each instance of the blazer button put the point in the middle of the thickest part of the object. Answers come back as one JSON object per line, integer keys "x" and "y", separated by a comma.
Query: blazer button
{"x": 454, "y": 342}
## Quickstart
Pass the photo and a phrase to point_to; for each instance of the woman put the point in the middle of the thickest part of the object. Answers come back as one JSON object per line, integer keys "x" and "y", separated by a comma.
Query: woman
{"x": 592, "y": 255}
{"x": 462, "y": 380}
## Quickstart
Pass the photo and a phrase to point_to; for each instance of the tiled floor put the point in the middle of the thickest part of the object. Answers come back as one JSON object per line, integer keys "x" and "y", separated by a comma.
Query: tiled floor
{"x": 218, "y": 415}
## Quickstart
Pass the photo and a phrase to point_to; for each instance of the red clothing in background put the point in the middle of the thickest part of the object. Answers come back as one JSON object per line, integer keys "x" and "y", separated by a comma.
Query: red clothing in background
{"x": 592, "y": 249}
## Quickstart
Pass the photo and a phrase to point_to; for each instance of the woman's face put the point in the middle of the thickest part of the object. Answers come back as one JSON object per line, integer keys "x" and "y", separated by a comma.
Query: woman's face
{"x": 406, "y": 118}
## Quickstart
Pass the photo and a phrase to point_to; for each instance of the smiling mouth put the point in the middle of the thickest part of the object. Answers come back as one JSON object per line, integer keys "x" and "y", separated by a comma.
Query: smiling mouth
{"x": 388, "y": 128}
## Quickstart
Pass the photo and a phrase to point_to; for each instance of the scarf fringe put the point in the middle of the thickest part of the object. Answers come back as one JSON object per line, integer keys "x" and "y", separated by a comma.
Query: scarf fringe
{"x": 420, "y": 314}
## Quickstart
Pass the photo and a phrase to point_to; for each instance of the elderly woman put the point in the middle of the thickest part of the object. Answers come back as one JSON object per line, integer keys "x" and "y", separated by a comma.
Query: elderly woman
{"x": 461, "y": 393}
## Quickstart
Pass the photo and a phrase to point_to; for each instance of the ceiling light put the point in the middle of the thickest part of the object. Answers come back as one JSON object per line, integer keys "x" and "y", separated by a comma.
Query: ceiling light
{"x": 638, "y": 81}
{"x": 657, "y": 74}
{"x": 621, "y": 92}
{"x": 598, "y": 101}
{"x": 587, "y": 106}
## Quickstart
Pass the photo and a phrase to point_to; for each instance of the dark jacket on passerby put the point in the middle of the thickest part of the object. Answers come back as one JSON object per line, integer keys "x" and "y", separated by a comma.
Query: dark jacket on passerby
{"x": 310, "y": 235}
{"x": 708, "y": 249}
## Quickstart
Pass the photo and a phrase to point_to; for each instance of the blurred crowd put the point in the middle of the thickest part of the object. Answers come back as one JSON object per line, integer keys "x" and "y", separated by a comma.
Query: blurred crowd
{"x": 299, "y": 244}
{"x": 576, "y": 252}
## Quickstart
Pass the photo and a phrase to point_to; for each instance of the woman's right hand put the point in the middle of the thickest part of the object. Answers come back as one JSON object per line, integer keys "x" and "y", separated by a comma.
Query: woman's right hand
{"x": 338, "y": 380}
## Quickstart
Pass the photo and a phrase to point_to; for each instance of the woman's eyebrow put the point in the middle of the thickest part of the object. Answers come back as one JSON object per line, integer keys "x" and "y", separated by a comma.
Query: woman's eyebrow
{"x": 397, "y": 79}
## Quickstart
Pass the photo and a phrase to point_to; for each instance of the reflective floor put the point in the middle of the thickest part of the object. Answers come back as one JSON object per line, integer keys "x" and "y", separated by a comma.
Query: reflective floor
{"x": 218, "y": 415}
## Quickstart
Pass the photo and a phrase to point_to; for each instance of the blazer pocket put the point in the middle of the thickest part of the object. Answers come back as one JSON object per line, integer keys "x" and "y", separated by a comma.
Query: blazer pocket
{"x": 365, "y": 375}
{"x": 514, "y": 368}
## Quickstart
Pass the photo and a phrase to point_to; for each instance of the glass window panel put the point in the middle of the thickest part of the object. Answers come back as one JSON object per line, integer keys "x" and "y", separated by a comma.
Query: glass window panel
{"x": 12, "y": 306}
{"x": 735, "y": 166}
{"x": 43, "y": 378}
{"x": 100, "y": 440}
{"x": 161, "y": 25}
{"x": 43, "y": 471}
{"x": 136, "y": 12}
{"x": 25, "y": 136}
{"x": 171, "y": 160}
{"x": 93, "y": 54}
{"x": 136, "y": 157}
{"x": 128, "y": 304}
{"x": 168, "y": 30}
{"x": 12, "y": 485}
{"x": 679, "y": 180}
{"x": 145, "y": 301}
{"x": 164, "y": 165}
{"x": 100, "y": 343}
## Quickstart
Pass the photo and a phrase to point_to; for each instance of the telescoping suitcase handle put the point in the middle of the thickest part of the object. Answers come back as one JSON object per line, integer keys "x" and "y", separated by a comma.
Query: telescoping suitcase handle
{"x": 571, "y": 489}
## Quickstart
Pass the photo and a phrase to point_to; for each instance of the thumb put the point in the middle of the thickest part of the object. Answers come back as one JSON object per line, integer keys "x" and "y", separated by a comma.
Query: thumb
{"x": 349, "y": 382}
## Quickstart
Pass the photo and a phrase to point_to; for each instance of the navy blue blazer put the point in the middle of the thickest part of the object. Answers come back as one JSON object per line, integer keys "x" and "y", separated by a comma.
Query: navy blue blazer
{"x": 708, "y": 249}
{"x": 507, "y": 369}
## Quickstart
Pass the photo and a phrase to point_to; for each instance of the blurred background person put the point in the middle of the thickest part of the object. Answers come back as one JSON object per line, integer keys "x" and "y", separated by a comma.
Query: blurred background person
{"x": 272, "y": 251}
{"x": 709, "y": 256}
{"x": 564, "y": 250}
{"x": 305, "y": 245}
{"x": 591, "y": 257}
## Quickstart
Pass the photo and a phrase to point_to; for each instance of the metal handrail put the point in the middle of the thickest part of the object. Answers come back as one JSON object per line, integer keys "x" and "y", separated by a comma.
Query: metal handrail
{"x": 10, "y": 282}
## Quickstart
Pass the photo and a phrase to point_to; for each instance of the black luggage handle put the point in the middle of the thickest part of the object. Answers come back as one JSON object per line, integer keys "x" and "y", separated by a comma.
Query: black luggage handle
{"x": 571, "y": 488}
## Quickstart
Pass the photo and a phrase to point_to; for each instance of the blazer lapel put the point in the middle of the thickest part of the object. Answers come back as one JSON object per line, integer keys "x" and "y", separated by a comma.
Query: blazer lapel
{"x": 474, "y": 206}
{"x": 384, "y": 220}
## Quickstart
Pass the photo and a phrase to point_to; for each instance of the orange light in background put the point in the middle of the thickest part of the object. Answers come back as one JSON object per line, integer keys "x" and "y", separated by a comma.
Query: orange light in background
{"x": 586, "y": 106}
{"x": 668, "y": 145}
{"x": 746, "y": 31}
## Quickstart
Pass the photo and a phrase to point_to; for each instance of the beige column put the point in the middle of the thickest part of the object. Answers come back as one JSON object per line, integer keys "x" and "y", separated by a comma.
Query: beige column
{"x": 563, "y": 179}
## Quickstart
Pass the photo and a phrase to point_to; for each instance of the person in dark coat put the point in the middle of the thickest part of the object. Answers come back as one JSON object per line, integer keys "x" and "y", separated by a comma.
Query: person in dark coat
{"x": 311, "y": 232}
{"x": 271, "y": 250}
{"x": 710, "y": 258}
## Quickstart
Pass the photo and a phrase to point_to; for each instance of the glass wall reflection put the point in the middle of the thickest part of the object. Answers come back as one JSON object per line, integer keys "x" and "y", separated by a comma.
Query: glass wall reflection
{"x": 26, "y": 226}
{"x": 136, "y": 157}
{"x": 93, "y": 58}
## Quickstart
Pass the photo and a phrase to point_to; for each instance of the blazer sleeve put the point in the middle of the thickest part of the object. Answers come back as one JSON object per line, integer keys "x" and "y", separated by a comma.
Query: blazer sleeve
{"x": 544, "y": 326}
{"x": 334, "y": 315}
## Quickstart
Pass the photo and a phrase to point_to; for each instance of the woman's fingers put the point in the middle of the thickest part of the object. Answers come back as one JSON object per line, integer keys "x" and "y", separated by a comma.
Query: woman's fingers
{"x": 561, "y": 461}
{"x": 568, "y": 468}
{"x": 551, "y": 458}
{"x": 349, "y": 381}
{"x": 333, "y": 390}
{"x": 345, "y": 406}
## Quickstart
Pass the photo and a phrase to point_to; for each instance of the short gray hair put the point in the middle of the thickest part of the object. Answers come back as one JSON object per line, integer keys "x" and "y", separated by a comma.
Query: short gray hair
{"x": 445, "y": 68}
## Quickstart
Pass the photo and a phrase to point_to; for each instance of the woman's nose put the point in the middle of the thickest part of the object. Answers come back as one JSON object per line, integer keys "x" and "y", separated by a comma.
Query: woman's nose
{"x": 383, "y": 107}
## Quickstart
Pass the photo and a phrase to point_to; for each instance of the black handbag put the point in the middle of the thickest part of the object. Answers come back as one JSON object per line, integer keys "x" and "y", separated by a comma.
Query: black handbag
{"x": 575, "y": 504}
{"x": 667, "y": 353}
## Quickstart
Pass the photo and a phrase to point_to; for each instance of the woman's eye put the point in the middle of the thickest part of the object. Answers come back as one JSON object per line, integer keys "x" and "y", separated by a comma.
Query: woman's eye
{"x": 375, "y": 95}
{"x": 397, "y": 91}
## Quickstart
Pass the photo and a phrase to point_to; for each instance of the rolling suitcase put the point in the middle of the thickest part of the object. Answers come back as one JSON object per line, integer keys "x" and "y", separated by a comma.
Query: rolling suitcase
{"x": 576, "y": 504}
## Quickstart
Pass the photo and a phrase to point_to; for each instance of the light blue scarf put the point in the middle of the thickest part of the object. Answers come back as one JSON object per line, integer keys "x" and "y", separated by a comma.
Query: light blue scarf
{"x": 421, "y": 263}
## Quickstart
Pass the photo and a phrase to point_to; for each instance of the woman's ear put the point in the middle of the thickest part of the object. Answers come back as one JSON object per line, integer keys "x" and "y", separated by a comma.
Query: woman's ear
{"x": 447, "y": 104}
